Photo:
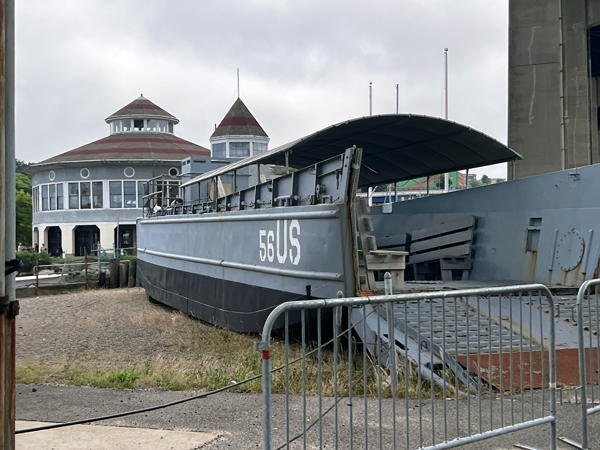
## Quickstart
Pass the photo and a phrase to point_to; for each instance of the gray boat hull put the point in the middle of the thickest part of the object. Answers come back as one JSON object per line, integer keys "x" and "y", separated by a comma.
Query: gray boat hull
{"x": 233, "y": 269}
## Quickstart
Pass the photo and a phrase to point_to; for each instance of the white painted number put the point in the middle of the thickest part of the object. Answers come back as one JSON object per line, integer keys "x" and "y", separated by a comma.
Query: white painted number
{"x": 261, "y": 243}
{"x": 270, "y": 248}
{"x": 294, "y": 242}
{"x": 271, "y": 243}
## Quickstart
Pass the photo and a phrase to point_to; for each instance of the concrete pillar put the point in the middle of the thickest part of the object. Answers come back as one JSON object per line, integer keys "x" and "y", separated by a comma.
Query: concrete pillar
{"x": 43, "y": 235}
{"x": 35, "y": 237}
{"x": 68, "y": 239}
{"x": 545, "y": 37}
{"x": 107, "y": 235}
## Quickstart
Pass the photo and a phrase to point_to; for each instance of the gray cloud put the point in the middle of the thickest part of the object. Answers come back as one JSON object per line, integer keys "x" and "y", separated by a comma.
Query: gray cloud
{"x": 304, "y": 65}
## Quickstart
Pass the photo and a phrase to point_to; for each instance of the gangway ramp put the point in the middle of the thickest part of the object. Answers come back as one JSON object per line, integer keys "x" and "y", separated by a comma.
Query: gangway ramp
{"x": 499, "y": 337}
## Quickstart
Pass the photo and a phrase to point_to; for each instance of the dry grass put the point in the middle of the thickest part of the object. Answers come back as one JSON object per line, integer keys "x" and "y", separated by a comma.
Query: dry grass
{"x": 197, "y": 356}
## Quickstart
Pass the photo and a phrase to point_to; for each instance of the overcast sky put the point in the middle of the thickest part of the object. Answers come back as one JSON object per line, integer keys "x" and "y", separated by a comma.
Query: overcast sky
{"x": 304, "y": 64}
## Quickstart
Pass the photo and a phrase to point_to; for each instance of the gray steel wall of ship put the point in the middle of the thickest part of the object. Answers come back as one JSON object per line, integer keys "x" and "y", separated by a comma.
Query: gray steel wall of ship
{"x": 564, "y": 201}
{"x": 198, "y": 245}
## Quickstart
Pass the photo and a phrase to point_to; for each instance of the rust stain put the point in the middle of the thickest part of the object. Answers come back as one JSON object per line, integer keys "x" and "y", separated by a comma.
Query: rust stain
{"x": 531, "y": 264}
{"x": 567, "y": 368}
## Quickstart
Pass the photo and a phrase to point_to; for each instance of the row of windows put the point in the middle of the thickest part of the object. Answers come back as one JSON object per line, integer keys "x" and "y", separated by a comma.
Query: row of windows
{"x": 237, "y": 149}
{"x": 88, "y": 195}
{"x": 52, "y": 197}
{"x": 133, "y": 125}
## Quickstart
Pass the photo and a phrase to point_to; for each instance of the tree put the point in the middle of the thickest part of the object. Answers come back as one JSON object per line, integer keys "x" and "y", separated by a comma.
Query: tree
{"x": 23, "y": 182}
{"x": 23, "y": 217}
{"x": 485, "y": 179}
{"x": 21, "y": 166}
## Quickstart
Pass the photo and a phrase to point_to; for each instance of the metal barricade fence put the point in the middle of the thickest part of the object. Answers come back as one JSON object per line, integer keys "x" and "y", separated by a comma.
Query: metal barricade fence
{"x": 588, "y": 330}
{"x": 466, "y": 366}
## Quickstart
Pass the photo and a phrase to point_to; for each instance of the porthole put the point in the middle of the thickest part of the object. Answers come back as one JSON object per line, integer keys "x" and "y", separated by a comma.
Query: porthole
{"x": 52, "y": 175}
{"x": 129, "y": 172}
{"x": 84, "y": 173}
{"x": 173, "y": 171}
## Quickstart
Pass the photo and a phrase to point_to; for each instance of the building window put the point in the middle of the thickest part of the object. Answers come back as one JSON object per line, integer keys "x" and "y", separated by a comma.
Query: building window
{"x": 173, "y": 172}
{"x": 52, "y": 195}
{"x": 115, "y": 194}
{"x": 84, "y": 195}
{"x": 59, "y": 197}
{"x": 35, "y": 200}
{"x": 239, "y": 149}
{"x": 138, "y": 124}
{"x": 45, "y": 197}
{"x": 152, "y": 125}
{"x": 97, "y": 195}
{"x": 162, "y": 126}
{"x": 129, "y": 172}
{"x": 86, "y": 201}
{"x": 171, "y": 127}
{"x": 259, "y": 147}
{"x": 84, "y": 173}
{"x": 73, "y": 195}
{"x": 220, "y": 150}
{"x": 140, "y": 186}
{"x": 129, "y": 191}
{"x": 51, "y": 175}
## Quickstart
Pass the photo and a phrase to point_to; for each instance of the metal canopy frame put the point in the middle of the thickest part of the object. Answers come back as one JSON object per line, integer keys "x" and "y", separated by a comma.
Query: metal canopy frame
{"x": 395, "y": 147}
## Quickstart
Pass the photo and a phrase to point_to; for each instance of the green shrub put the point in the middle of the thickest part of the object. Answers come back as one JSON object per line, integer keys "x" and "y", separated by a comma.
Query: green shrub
{"x": 30, "y": 258}
{"x": 124, "y": 378}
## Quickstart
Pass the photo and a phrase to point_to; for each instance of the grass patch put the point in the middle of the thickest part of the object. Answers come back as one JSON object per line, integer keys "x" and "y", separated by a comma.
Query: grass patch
{"x": 197, "y": 356}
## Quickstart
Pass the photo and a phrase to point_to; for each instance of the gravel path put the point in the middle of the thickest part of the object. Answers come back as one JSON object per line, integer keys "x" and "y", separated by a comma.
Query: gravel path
{"x": 122, "y": 322}
{"x": 51, "y": 328}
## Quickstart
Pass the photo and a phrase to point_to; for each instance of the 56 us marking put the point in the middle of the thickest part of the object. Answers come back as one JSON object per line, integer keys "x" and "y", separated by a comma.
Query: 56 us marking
{"x": 280, "y": 243}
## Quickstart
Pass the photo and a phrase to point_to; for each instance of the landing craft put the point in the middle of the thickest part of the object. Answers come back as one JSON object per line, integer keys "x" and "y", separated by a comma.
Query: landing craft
{"x": 229, "y": 259}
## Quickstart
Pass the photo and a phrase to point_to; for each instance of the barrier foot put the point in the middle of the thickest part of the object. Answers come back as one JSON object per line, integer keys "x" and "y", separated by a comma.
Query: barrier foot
{"x": 525, "y": 447}
{"x": 571, "y": 442}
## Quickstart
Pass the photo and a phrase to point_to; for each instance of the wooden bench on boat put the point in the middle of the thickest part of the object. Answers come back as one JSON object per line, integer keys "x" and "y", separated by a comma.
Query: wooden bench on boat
{"x": 446, "y": 245}
{"x": 373, "y": 259}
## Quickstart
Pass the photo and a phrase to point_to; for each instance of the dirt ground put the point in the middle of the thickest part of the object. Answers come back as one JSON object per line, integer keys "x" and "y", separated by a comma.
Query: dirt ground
{"x": 118, "y": 321}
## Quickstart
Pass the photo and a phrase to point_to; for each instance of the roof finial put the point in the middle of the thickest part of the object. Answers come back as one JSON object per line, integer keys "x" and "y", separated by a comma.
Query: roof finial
{"x": 141, "y": 95}
{"x": 238, "y": 79}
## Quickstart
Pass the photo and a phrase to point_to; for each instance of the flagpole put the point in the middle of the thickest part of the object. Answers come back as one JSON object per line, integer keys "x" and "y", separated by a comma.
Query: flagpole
{"x": 370, "y": 190}
{"x": 446, "y": 175}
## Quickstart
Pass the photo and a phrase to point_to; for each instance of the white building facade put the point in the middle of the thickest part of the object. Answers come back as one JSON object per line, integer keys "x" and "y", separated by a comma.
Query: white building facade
{"x": 92, "y": 195}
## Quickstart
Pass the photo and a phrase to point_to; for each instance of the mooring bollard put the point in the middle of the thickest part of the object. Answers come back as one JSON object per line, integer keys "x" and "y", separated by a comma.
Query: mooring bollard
{"x": 124, "y": 268}
{"x": 114, "y": 273}
{"x": 132, "y": 271}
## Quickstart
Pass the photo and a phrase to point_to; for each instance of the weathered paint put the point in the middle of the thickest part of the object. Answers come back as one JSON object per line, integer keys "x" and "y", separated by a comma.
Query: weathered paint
{"x": 7, "y": 226}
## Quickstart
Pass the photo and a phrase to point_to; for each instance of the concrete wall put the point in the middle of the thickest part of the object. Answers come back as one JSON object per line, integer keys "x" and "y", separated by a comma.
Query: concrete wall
{"x": 535, "y": 81}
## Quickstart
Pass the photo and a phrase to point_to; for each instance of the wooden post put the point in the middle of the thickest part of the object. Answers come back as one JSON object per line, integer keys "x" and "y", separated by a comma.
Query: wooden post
{"x": 37, "y": 277}
{"x": 124, "y": 268}
{"x": 114, "y": 273}
{"x": 132, "y": 272}
{"x": 87, "y": 284}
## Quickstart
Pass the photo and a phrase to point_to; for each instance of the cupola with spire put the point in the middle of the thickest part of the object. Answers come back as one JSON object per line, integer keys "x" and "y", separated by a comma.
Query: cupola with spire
{"x": 239, "y": 134}
{"x": 141, "y": 115}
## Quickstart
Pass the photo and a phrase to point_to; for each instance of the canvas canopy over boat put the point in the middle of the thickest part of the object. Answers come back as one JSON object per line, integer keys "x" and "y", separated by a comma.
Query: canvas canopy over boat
{"x": 230, "y": 257}
{"x": 395, "y": 147}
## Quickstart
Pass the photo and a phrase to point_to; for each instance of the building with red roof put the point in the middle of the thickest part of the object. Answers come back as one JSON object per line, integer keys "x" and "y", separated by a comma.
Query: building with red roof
{"x": 239, "y": 134}
{"x": 92, "y": 195}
